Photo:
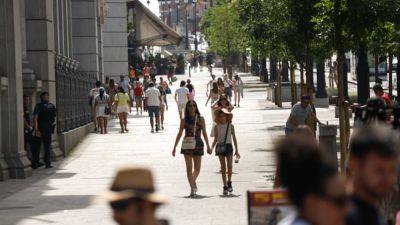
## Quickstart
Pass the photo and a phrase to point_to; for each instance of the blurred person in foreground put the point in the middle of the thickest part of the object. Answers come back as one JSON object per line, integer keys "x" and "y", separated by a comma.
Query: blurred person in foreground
{"x": 313, "y": 184}
{"x": 133, "y": 198}
{"x": 372, "y": 165}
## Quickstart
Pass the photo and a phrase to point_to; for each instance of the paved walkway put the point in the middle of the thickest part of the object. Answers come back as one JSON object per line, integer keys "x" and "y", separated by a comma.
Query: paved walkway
{"x": 63, "y": 195}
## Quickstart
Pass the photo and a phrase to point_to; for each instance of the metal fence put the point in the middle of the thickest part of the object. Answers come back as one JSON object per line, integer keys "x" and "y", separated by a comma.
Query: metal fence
{"x": 72, "y": 95}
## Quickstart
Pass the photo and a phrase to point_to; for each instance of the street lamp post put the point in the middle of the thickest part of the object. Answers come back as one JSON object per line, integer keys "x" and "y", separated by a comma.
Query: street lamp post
{"x": 186, "y": 26}
{"x": 195, "y": 25}
{"x": 178, "y": 6}
{"x": 162, "y": 9}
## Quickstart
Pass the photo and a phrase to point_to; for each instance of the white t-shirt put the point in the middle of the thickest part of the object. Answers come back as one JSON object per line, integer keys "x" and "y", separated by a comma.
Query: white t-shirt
{"x": 125, "y": 85}
{"x": 182, "y": 93}
{"x": 152, "y": 94}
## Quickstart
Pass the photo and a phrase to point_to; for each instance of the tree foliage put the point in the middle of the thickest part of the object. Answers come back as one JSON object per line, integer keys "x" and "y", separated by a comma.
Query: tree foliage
{"x": 221, "y": 28}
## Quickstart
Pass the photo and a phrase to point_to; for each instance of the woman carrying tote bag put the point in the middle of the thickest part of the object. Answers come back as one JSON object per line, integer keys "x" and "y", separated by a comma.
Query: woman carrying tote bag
{"x": 224, "y": 134}
{"x": 192, "y": 146}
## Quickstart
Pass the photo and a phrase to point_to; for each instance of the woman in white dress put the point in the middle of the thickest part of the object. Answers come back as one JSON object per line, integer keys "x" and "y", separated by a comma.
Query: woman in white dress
{"x": 238, "y": 89}
{"x": 102, "y": 104}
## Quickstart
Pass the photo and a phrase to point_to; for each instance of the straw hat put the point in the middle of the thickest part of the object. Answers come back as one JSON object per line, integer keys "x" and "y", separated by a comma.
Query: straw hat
{"x": 131, "y": 182}
{"x": 223, "y": 110}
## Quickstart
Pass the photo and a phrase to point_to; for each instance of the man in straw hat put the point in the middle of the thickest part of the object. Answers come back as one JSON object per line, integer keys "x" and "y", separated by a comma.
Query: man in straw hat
{"x": 132, "y": 197}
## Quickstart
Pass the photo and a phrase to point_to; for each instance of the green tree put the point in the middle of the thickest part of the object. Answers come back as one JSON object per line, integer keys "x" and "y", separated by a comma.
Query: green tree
{"x": 221, "y": 30}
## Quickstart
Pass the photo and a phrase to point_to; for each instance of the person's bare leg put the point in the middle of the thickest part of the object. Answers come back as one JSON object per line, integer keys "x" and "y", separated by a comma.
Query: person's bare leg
{"x": 223, "y": 169}
{"x": 152, "y": 123}
{"x": 235, "y": 96}
{"x": 189, "y": 170}
{"x": 94, "y": 117}
{"x": 229, "y": 166}
{"x": 162, "y": 116}
{"x": 121, "y": 121}
{"x": 158, "y": 121}
{"x": 126, "y": 121}
{"x": 238, "y": 95}
{"x": 197, "y": 167}
{"x": 105, "y": 125}
{"x": 101, "y": 123}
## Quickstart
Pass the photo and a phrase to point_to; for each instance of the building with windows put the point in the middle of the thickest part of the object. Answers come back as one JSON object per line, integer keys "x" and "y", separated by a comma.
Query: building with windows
{"x": 59, "y": 46}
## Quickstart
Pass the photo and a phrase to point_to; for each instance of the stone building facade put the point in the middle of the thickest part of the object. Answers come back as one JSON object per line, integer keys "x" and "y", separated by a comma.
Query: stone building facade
{"x": 55, "y": 46}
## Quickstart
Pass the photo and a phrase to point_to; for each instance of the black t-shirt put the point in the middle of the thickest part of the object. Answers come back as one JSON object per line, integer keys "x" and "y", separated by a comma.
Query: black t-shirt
{"x": 46, "y": 113}
{"x": 363, "y": 213}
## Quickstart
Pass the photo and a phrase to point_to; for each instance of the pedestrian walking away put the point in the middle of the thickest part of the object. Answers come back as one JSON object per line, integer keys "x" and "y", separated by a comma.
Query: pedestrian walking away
{"x": 92, "y": 94}
{"x": 299, "y": 113}
{"x": 181, "y": 98}
{"x": 224, "y": 134}
{"x": 192, "y": 146}
{"x": 190, "y": 87}
{"x": 210, "y": 84}
{"x": 138, "y": 92}
{"x": 44, "y": 119}
{"x": 122, "y": 102}
{"x": 112, "y": 90}
{"x": 153, "y": 102}
{"x": 163, "y": 105}
{"x": 312, "y": 182}
{"x": 103, "y": 110}
{"x": 133, "y": 198}
{"x": 238, "y": 89}
{"x": 228, "y": 85}
{"x": 373, "y": 170}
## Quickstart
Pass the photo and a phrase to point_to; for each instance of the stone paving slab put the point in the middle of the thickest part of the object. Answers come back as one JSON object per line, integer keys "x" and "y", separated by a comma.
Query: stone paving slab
{"x": 63, "y": 195}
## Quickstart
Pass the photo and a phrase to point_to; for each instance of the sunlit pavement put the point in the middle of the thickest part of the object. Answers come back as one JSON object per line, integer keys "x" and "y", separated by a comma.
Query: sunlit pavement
{"x": 63, "y": 195}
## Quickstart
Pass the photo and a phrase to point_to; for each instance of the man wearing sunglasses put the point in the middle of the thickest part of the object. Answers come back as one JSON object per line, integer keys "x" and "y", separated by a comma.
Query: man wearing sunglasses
{"x": 133, "y": 199}
{"x": 373, "y": 167}
{"x": 300, "y": 112}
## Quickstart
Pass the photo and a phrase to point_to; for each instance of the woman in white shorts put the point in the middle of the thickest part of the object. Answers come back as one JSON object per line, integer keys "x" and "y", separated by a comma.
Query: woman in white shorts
{"x": 122, "y": 102}
{"x": 103, "y": 109}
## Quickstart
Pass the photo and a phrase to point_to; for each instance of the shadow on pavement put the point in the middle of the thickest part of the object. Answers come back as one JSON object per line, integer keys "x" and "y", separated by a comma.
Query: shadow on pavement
{"x": 33, "y": 198}
{"x": 230, "y": 196}
{"x": 198, "y": 197}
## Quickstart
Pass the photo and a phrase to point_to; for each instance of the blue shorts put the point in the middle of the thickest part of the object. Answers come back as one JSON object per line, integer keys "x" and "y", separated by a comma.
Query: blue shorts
{"x": 154, "y": 111}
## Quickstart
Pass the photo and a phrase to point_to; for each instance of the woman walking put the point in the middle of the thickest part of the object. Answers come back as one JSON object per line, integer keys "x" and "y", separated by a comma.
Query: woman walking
{"x": 102, "y": 104}
{"x": 224, "y": 133}
{"x": 191, "y": 91}
{"x": 138, "y": 92}
{"x": 221, "y": 86}
{"x": 192, "y": 146}
{"x": 112, "y": 90}
{"x": 228, "y": 87}
{"x": 163, "y": 104}
{"x": 122, "y": 103}
{"x": 238, "y": 89}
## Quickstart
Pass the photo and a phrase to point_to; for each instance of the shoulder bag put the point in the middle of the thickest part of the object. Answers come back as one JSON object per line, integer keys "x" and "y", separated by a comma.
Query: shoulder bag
{"x": 221, "y": 147}
{"x": 189, "y": 143}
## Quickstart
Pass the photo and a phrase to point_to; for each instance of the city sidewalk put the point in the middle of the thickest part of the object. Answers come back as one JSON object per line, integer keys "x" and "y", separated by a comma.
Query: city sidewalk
{"x": 63, "y": 195}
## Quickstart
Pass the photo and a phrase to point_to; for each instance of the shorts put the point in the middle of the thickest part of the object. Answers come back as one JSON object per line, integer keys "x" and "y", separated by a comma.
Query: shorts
{"x": 138, "y": 98}
{"x": 181, "y": 107}
{"x": 123, "y": 109}
{"x": 228, "y": 152}
{"x": 153, "y": 111}
{"x": 228, "y": 92}
{"x": 198, "y": 151}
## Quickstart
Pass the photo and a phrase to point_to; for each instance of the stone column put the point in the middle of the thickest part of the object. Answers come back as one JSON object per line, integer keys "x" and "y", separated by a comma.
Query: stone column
{"x": 40, "y": 50}
{"x": 115, "y": 39}
{"x": 85, "y": 36}
{"x": 12, "y": 144}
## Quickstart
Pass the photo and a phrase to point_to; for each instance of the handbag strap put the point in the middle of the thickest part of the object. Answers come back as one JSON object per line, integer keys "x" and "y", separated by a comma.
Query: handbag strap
{"x": 226, "y": 134}
{"x": 195, "y": 126}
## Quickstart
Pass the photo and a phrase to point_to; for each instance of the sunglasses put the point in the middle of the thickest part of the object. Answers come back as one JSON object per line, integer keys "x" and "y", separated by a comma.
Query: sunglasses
{"x": 120, "y": 206}
{"x": 339, "y": 201}
{"x": 191, "y": 105}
